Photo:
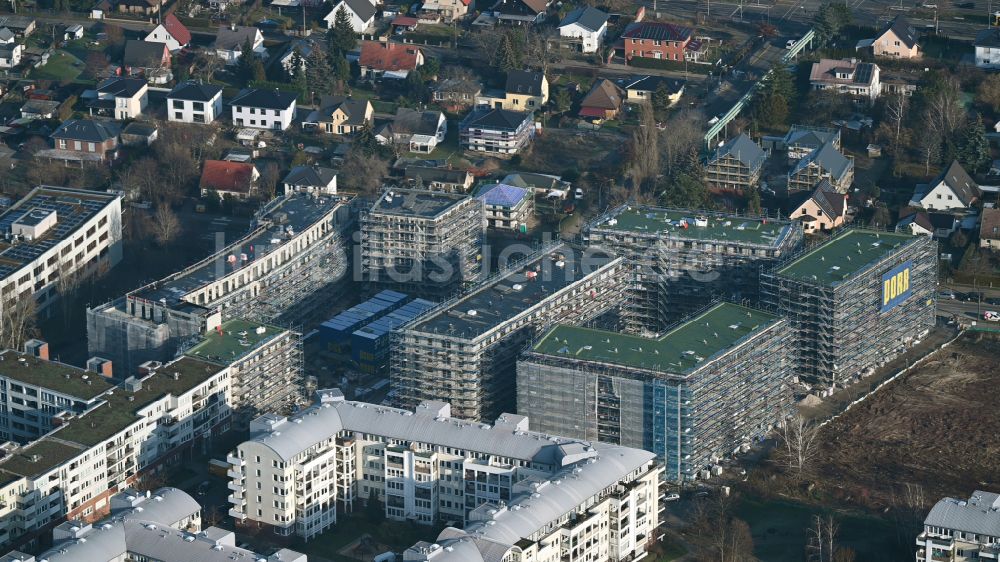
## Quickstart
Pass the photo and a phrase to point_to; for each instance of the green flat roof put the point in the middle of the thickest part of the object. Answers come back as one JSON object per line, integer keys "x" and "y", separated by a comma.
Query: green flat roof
{"x": 681, "y": 350}
{"x": 237, "y": 338}
{"x": 650, "y": 220}
{"x": 51, "y": 453}
{"x": 53, "y": 375}
{"x": 839, "y": 258}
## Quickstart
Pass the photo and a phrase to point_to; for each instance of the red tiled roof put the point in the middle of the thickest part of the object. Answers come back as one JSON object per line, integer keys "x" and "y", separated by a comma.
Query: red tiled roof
{"x": 404, "y": 21}
{"x": 592, "y": 112}
{"x": 176, "y": 29}
{"x": 222, "y": 175}
{"x": 388, "y": 56}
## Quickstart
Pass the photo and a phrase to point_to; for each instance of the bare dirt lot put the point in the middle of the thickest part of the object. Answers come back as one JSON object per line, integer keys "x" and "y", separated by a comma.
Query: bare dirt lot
{"x": 936, "y": 427}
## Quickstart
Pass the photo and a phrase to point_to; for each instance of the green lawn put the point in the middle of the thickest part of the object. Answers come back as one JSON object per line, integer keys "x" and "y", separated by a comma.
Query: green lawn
{"x": 62, "y": 67}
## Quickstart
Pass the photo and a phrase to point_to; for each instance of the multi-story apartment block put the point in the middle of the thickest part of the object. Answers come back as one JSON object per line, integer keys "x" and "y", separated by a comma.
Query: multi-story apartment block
{"x": 958, "y": 530}
{"x": 712, "y": 385}
{"x": 291, "y": 259}
{"x": 736, "y": 165}
{"x": 496, "y": 131}
{"x": 53, "y": 236}
{"x": 825, "y": 163}
{"x": 680, "y": 259}
{"x": 164, "y": 525}
{"x": 520, "y": 495}
{"x": 428, "y": 242}
{"x": 855, "y": 302}
{"x": 465, "y": 350}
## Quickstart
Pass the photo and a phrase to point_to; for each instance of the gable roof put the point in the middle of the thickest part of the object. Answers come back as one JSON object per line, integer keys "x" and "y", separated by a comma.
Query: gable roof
{"x": 827, "y": 199}
{"x": 653, "y": 83}
{"x": 222, "y": 175}
{"x": 524, "y": 82}
{"x": 826, "y": 71}
{"x": 413, "y": 122}
{"x": 588, "y": 18}
{"x": 267, "y": 99}
{"x": 989, "y": 228}
{"x": 902, "y": 29}
{"x": 657, "y": 31}
{"x": 122, "y": 87}
{"x": 229, "y": 39}
{"x": 193, "y": 91}
{"x": 442, "y": 175}
{"x": 388, "y": 56}
{"x": 604, "y": 95}
{"x": 495, "y": 119}
{"x": 829, "y": 159}
{"x": 144, "y": 54}
{"x": 959, "y": 181}
{"x": 744, "y": 149}
{"x": 461, "y": 85}
{"x": 86, "y": 130}
{"x": 810, "y": 137}
{"x": 6, "y": 34}
{"x": 515, "y": 7}
{"x": 176, "y": 29}
{"x": 355, "y": 110}
{"x": 310, "y": 176}
{"x": 988, "y": 38}
{"x": 919, "y": 218}
{"x": 503, "y": 195}
{"x": 364, "y": 9}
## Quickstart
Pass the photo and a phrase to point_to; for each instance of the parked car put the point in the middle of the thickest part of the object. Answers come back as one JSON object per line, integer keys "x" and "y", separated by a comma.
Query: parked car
{"x": 946, "y": 295}
{"x": 991, "y": 316}
{"x": 672, "y": 497}
{"x": 790, "y": 43}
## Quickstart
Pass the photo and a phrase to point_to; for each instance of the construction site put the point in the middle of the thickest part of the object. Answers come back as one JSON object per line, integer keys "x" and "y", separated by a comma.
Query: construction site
{"x": 709, "y": 388}
{"x": 423, "y": 242}
{"x": 678, "y": 259}
{"x": 465, "y": 350}
{"x": 292, "y": 261}
{"x": 855, "y": 302}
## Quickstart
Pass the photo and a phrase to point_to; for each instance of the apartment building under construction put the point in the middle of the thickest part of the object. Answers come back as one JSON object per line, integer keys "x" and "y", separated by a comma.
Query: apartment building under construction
{"x": 465, "y": 350}
{"x": 423, "y": 242}
{"x": 709, "y": 387}
{"x": 736, "y": 166}
{"x": 855, "y": 302}
{"x": 679, "y": 259}
{"x": 280, "y": 272}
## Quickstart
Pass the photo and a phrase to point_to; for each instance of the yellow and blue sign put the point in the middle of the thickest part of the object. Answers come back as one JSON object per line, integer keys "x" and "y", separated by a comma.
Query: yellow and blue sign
{"x": 896, "y": 285}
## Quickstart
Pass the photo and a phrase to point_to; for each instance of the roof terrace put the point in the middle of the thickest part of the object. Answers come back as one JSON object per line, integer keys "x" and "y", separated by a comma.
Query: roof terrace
{"x": 695, "y": 225}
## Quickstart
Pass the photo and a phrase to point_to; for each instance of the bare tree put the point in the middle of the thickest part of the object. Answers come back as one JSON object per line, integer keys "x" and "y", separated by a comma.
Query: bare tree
{"x": 930, "y": 149}
{"x": 145, "y": 175}
{"x": 17, "y": 320}
{"x": 895, "y": 109}
{"x": 166, "y": 227}
{"x": 362, "y": 173}
{"x": 821, "y": 545}
{"x": 945, "y": 112}
{"x": 644, "y": 151}
{"x": 799, "y": 440}
{"x": 269, "y": 180}
{"x": 684, "y": 135}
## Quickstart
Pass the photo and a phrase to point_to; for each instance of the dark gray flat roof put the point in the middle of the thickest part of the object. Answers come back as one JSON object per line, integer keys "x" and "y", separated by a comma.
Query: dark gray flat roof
{"x": 416, "y": 202}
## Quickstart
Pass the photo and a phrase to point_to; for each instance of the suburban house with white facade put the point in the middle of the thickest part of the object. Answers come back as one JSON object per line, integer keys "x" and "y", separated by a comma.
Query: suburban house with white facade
{"x": 230, "y": 40}
{"x": 263, "y": 109}
{"x": 311, "y": 179}
{"x": 122, "y": 98}
{"x": 360, "y": 12}
{"x": 847, "y": 76}
{"x": 588, "y": 25}
{"x": 192, "y": 102}
{"x": 170, "y": 32}
{"x": 952, "y": 189}
{"x": 987, "y": 45}
{"x": 417, "y": 131}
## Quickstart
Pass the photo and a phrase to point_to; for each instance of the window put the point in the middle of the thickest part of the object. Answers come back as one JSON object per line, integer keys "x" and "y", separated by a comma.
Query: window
{"x": 179, "y": 116}
{"x": 91, "y": 147}
{"x": 198, "y": 106}
{"x": 177, "y": 104}
{"x": 62, "y": 143}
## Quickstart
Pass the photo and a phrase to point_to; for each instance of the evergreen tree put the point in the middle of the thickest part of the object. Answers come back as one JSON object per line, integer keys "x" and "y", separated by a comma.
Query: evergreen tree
{"x": 319, "y": 74}
{"x": 563, "y": 100}
{"x": 365, "y": 140}
{"x": 297, "y": 73}
{"x": 341, "y": 38}
{"x": 661, "y": 98}
{"x": 974, "y": 149}
{"x": 341, "y": 71}
{"x": 244, "y": 66}
{"x": 753, "y": 201}
{"x": 508, "y": 53}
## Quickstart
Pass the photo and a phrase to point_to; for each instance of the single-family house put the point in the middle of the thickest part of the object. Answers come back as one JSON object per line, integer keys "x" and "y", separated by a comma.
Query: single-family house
{"x": 11, "y": 55}
{"x": 7, "y": 37}
{"x": 440, "y": 179}
{"x": 73, "y": 32}
{"x": 539, "y": 183}
{"x": 507, "y": 207}
{"x": 311, "y": 179}
{"x": 338, "y": 115}
{"x": 584, "y": 28}
{"x": 385, "y": 59}
{"x": 39, "y": 109}
{"x": 229, "y": 42}
{"x": 301, "y": 48}
{"x": 500, "y": 132}
{"x": 824, "y": 163}
{"x": 803, "y": 140}
{"x": 121, "y": 98}
{"x": 233, "y": 179}
{"x": 145, "y": 57}
{"x": 21, "y": 26}
{"x": 194, "y": 102}
{"x": 170, "y": 32}
{"x": 603, "y": 102}
{"x": 418, "y": 131}
{"x": 520, "y": 12}
{"x": 987, "y": 45}
{"x": 444, "y": 10}
{"x": 952, "y": 189}
{"x": 823, "y": 210}
{"x": 456, "y": 93}
{"x": 640, "y": 89}
{"x": 525, "y": 90}
{"x": 85, "y": 140}
{"x": 138, "y": 7}
{"x": 847, "y": 76}
{"x": 989, "y": 229}
{"x": 360, "y": 12}
{"x": 916, "y": 223}
{"x": 897, "y": 40}
{"x": 263, "y": 109}
{"x": 736, "y": 166}
{"x": 656, "y": 40}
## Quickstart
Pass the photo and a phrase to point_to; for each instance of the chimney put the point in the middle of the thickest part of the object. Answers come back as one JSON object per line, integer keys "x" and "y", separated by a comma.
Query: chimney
{"x": 100, "y": 366}
{"x": 37, "y": 348}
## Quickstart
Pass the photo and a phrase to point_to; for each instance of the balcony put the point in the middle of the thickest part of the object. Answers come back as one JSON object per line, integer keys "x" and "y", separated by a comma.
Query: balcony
{"x": 237, "y": 514}
{"x": 235, "y": 461}
{"x": 235, "y": 499}
{"x": 235, "y": 474}
{"x": 234, "y": 486}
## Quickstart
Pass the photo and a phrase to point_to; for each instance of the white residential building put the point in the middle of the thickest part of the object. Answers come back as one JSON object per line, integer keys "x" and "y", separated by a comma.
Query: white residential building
{"x": 958, "y": 530}
{"x": 11, "y": 54}
{"x": 847, "y": 76}
{"x": 587, "y": 25}
{"x": 229, "y": 42}
{"x": 520, "y": 495}
{"x": 54, "y": 233}
{"x": 170, "y": 32}
{"x": 122, "y": 98}
{"x": 360, "y": 12}
{"x": 263, "y": 109}
{"x": 194, "y": 103}
{"x": 987, "y": 46}
{"x": 952, "y": 189}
